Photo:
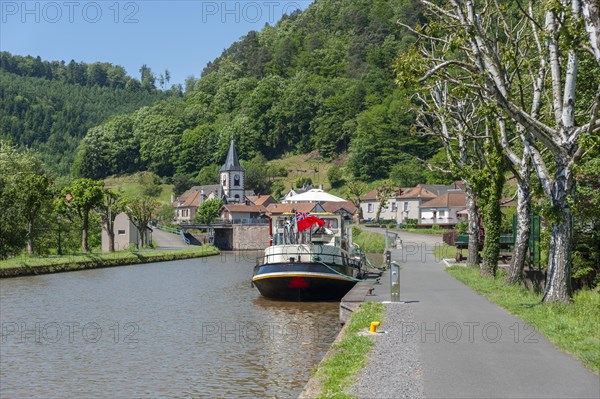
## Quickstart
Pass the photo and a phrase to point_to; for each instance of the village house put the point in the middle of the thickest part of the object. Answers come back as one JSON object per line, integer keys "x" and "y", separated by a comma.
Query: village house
{"x": 443, "y": 210}
{"x": 369, "y": 205}
{"x": 407, "y": 203}
{"x": 244, "y": 214}
{"x": 186, "y": 205}
{"x": 411, "y": 201}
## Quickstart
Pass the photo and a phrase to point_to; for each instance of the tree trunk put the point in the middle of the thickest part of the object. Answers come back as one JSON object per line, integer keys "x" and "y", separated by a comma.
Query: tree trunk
{"x": 84, "y": 233}
{"x": 558, "y": 278}
{"x": 111, "y": 241}
{"x": 491, "y": 245}
{"x": 473, "y": 229}
{"x": 110, "y": 232}
{"x": 492, "y": 220}
{"x": 30, "y": 237}
{"x": 517, "y": 264}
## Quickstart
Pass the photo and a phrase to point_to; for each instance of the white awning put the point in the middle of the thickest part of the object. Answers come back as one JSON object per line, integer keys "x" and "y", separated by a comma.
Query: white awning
{"x": 314, "y": 195}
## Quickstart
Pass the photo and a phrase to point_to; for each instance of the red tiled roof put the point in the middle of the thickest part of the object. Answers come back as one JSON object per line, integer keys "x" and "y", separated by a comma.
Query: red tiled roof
{"x": 191, "y": 198}
{"x": 371, "y": 195}
{"x": 450, "y": 199}
{"x": 417, "y": 192}
{"x": 260, "y": 199}
{"x": 286, "y": 208}
{"x": 333, "y": 207}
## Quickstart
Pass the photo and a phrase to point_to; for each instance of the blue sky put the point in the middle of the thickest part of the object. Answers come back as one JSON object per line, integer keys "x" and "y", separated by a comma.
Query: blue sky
{"x": 181, "y": 36}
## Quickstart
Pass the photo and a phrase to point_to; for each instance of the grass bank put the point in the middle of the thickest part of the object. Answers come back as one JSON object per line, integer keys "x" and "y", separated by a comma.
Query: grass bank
{"x": 349, "y": 354}
{"x": 26, "y": 266}
{"x": 572, "y": 327}
{"x": 368, "y": 241}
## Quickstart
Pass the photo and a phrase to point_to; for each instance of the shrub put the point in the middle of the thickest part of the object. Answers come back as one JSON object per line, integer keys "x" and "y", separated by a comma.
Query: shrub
{"x": 462, "y": 227}
{"x": 334, "y": 175}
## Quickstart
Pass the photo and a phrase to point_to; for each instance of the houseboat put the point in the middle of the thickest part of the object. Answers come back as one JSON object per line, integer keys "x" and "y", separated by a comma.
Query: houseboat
{"x": 310, "y": 259}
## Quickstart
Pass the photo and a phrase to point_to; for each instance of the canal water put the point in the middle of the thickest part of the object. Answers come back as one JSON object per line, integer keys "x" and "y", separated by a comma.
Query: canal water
{"x": 184, "y": 329}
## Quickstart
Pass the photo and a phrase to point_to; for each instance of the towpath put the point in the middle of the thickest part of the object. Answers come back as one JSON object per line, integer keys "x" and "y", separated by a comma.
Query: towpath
{"x": 444, "y": 340}
{"x": 166, "y": 240}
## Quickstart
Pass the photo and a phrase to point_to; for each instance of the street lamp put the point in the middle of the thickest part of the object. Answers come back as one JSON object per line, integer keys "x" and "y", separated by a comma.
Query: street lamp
{"x": 59, "y": 220}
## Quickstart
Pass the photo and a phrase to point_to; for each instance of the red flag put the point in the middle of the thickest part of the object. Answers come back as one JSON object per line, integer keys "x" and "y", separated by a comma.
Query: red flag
{"x": 306, "y": 220}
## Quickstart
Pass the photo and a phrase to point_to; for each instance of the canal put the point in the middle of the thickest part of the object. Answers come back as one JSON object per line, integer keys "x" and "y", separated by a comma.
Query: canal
{"x": 191, "y": 328}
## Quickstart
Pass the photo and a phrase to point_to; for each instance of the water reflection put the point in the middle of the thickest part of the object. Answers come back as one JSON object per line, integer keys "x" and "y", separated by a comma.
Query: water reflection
{"x": 191, "y": 328}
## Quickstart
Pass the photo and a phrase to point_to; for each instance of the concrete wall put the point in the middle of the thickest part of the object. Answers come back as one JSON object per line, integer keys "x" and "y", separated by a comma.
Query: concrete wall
{"x": 250, "y": 236}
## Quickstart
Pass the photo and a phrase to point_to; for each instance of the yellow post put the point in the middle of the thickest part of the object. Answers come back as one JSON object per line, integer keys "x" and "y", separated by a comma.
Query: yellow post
{"x": 374, "y": 325}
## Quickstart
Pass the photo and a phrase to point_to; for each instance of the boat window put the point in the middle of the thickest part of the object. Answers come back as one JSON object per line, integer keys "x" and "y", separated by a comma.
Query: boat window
{"x": 331, "y": 224}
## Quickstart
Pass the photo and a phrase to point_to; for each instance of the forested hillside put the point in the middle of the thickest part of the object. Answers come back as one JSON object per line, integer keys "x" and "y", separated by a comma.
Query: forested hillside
{"x": 49, "y": 106}
{"x": 319, "y": 80}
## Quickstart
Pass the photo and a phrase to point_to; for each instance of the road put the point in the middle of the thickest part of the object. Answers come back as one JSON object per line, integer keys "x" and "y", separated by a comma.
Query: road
{"x": 458, "y": 344}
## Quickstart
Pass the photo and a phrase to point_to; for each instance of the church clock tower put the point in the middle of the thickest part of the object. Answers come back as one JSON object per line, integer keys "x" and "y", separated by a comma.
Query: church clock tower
{"x": 232, "y": 177}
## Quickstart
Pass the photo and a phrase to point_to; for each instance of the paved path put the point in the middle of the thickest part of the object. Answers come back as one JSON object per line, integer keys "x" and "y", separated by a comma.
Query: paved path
{"x": 457, "y": 344}
{"x": 167, "y": 240}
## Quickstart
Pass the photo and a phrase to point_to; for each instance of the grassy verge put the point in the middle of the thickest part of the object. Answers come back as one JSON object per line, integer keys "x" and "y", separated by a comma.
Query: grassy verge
{"x": 445, "y": 251}
{"x": 433, "y": 232}
{"x": 23, "y": 266}
{"x": 349, "y": 355}
{"x": 572, "y": 327}
{"x": 367, "y": 241}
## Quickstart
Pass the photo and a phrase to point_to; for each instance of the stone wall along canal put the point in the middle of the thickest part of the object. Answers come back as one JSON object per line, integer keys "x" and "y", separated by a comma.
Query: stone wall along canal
{"x": 191, "y": 328}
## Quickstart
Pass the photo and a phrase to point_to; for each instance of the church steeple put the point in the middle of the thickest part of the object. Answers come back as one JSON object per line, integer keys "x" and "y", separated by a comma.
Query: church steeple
{"x": 232, "y": 177}
{"x": 232, "y": 163}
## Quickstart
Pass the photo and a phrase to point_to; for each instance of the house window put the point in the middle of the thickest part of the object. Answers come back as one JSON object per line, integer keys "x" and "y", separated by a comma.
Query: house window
{"x": 121, "y": 232}
{"x": 442, "y": 214}
{"x": 237, "y": 197}
{"x": 394, "y": 206}
{"x": 369, "y": 208}
{"x": 407, "y": 206}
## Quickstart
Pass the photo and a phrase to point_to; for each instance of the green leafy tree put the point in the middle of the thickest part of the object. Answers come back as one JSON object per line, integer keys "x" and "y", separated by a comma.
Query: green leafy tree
{"x": 277, "y": 190}
{"x": 35, "y": 195}
{"x": 13, "y": 232}
{"x": 408, "y": 172}
{"x": 166, "y": 214}
{"x": 355, "y": 190}
{"x": 77, "y": 202}
{"x": 208, "y": 175}
{"x": 140, "y": 211}
{"x": 384, "y": 192}
{"x": 148, "y": 80}
{"x": 108, "y": 210}
{"x": 335, "y": 176}
{"x": 257, "y": 175}
{"x": 181, "y": 183}
{"x": 303, "y": 181}
{"x": 150, "y": 183}
{"x": 209, "y": 211}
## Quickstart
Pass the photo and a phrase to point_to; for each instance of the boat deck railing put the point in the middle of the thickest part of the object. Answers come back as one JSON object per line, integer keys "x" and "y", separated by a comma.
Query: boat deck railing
{"x": 308, "y": 257}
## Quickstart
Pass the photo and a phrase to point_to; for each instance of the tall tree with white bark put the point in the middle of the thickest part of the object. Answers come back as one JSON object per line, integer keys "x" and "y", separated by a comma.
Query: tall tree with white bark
{"x": 498, "y": 56}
